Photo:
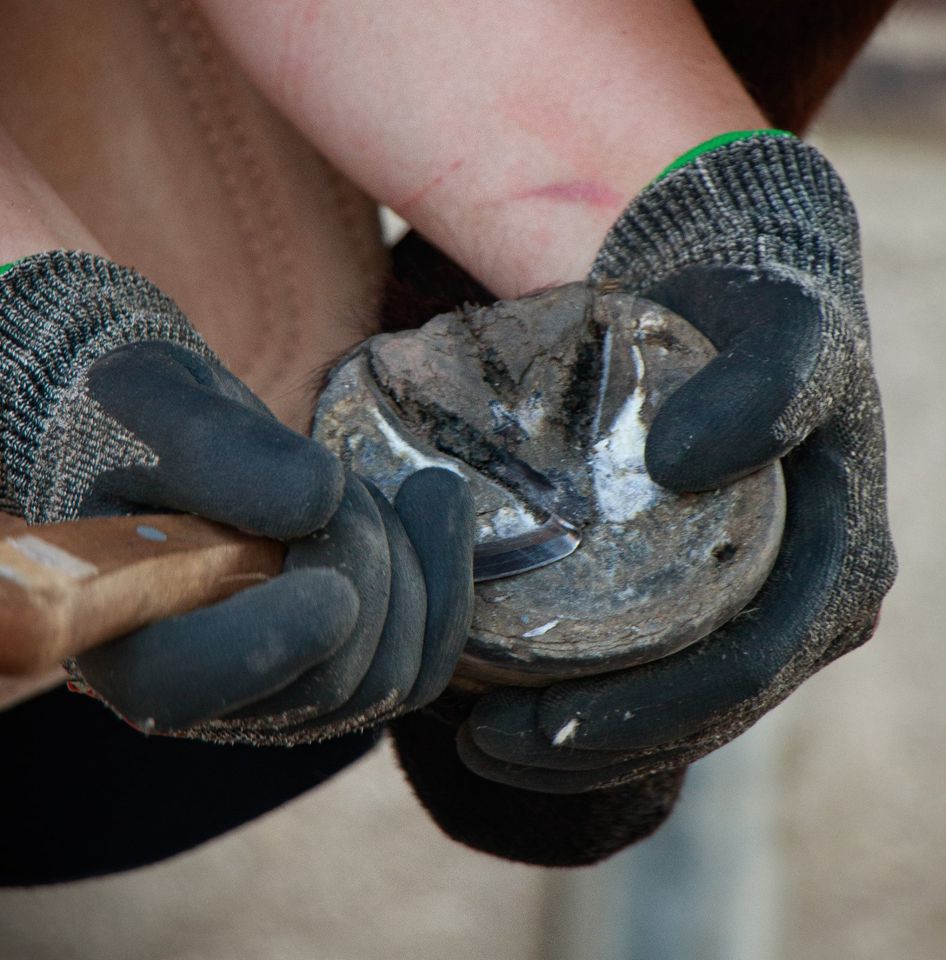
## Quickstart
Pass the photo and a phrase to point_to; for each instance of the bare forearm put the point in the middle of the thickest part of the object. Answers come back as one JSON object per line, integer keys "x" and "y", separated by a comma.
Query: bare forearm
{"x": 32, "y": 216}
{"x": 510, "y": 134}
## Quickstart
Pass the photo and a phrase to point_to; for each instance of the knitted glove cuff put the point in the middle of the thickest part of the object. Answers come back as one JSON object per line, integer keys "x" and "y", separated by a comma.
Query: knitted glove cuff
{"x": 59, "y": 312}
{"x": 764, "y": 201}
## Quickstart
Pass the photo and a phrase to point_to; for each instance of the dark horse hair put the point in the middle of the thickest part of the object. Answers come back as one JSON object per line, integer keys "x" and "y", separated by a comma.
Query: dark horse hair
{"x": 791, "y": 53}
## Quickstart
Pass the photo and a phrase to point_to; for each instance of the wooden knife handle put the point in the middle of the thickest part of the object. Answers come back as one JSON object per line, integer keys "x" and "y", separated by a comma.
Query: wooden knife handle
{"x": 66, "y": 587}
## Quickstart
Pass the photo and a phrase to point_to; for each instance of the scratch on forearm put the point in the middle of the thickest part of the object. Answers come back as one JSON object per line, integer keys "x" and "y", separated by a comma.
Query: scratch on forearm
{"x": 401, "y": 206}
{"x": 578, "y": 192}
{"x": 573, "y": 191}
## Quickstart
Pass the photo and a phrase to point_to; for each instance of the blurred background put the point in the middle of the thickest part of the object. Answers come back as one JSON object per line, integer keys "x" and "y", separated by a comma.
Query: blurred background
{"x": 820, "y": 834}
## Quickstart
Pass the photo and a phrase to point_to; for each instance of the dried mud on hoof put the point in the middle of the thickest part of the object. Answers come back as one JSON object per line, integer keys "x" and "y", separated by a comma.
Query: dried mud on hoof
{"x": 543, "y": 405}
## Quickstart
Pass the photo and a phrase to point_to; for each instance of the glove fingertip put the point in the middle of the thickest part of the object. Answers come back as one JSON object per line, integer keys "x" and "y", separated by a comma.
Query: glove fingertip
{"x": 186, "y": 669}
{"x": 312, "y": 487}
{"x": 704, "y": 438}
{"x": 212, "y": 448}
{"x": 437, "y": 485}
{"x": 286, "y": 489}
{"x": 437, "y": 511}
{"x": 324, "y": 596}
{"x": 683, "y": 464}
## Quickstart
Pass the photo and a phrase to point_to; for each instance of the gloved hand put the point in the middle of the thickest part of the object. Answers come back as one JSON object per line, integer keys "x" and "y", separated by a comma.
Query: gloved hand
{"x": 112, "y": 403}
{"x": 754, "y": 240}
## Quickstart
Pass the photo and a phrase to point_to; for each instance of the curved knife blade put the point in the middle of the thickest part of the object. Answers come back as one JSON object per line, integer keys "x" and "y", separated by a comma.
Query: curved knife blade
{"x": 548, "y": 543}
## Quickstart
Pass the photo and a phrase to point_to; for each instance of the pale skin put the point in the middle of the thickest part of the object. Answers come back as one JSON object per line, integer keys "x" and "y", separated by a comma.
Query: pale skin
{"x": 511, "y": 135}
{"x": 32, "y": 216}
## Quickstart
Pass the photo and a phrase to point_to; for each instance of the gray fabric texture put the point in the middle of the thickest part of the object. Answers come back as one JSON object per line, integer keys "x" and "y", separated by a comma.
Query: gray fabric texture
{"x": 761, "y": 208}
{"x": 767, "y": 203}
{"x": 775, "y": 204}
{"x": 110, "y": 401}
{"x": 59, "y": 312}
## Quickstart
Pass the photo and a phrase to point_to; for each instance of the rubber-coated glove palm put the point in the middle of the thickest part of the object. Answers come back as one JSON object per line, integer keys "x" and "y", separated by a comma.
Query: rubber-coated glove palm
{"x": 755, "y": 242}
{"x": 112, "y": 404}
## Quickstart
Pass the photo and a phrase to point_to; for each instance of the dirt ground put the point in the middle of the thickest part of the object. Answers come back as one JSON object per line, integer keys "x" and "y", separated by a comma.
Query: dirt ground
{"x": 856, "y": 814}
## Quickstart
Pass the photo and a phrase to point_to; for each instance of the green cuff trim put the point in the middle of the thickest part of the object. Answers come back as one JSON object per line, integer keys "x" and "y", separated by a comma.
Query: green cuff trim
{"x": 720, "y": 141}
{"x": 6, "y": 266}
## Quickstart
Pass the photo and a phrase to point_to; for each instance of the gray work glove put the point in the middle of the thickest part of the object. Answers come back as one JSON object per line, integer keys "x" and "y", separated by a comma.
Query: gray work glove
{"x": 755, "y": 242}
{"x": 110, "y": 403}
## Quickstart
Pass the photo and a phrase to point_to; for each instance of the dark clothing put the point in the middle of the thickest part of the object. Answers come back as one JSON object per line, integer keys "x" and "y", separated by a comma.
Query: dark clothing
{"x": 84, "y": 794}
